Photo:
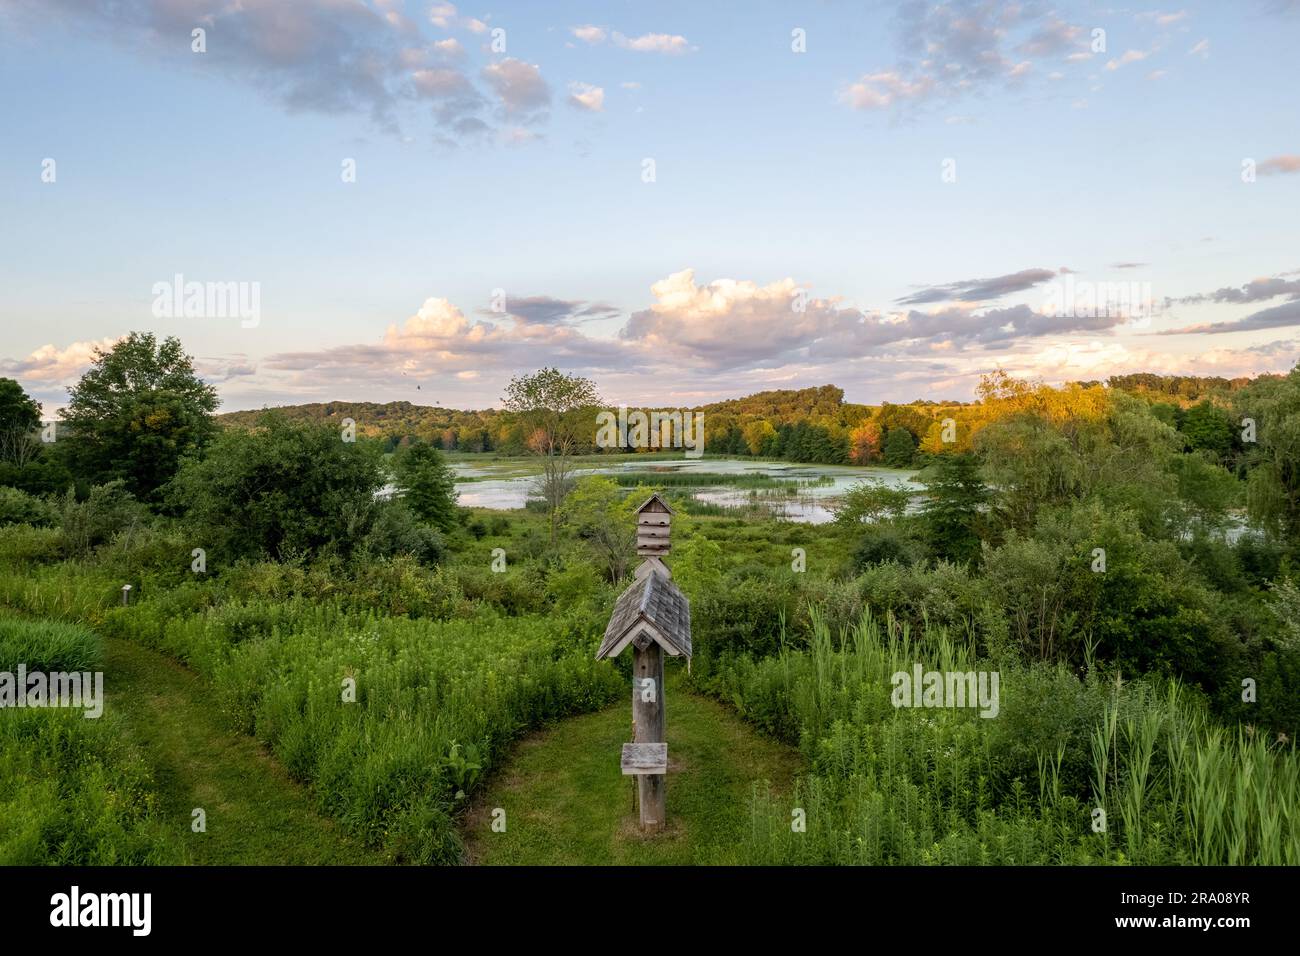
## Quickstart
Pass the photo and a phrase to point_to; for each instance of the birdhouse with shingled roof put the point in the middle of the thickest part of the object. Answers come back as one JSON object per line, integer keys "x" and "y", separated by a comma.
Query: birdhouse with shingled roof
{"x": 654, "y": 617}
{"x": 653, "y": 610}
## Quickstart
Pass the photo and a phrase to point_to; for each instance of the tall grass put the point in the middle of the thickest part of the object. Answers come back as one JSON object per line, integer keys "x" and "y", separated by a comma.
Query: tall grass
{"x": 63, "y": 592}
{"x": 72, "y": 791}
{"x": 392, "y": 721}
{"x": 77, "y": 792}
{"x": 915, "y": 786}
{"x": 46, "y": 645}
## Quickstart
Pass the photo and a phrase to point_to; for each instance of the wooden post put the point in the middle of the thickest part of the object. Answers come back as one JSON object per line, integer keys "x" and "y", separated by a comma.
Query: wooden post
{"x": 648, "y": 719}
{"x": 653, "y": 616}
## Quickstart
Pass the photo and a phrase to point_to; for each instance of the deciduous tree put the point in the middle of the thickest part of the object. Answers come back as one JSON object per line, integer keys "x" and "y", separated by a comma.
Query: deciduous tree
{"x": 136, "y": 413}
{"x": 559, "y": 413}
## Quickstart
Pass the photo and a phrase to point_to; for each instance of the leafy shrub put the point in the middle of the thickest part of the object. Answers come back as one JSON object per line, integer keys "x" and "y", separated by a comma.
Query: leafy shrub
{"x": 282, "y": 490}
{"x": 513, "y": 590}
{"x": 1218, "y": 562}
{"x": 942, "y": 595}
{"x": 1260, "y": 557}
{"x": 18, "y": 507}
{"x": 746, "y": 614}
{"x": 160, "y": 551}
{"x": 888, "y": 541}
{"x": 24, "y": 545}
{"x": 394, "y": 530}
{"x": 107, "y": 511}
{"x": 1147, "y": 611}
{"x": 871, "y": 501}
{"x": 838, "y": 603}
{"x": 402, "y": 586}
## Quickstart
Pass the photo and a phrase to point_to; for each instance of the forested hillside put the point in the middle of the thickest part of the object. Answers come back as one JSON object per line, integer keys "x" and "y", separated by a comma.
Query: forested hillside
{"x": 809, "y": 424}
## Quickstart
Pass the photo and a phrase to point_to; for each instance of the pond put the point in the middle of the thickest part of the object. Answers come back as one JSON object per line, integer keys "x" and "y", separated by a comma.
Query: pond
{"x": 507, "y": 484}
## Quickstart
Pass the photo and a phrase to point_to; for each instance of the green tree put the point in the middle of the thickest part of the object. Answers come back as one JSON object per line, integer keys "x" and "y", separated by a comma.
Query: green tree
{"x": 1207, "y": 428}
{"x": 599, "y": 512}
{"x": 1087, "y": 576}
{"x": 871, "y": 501}
{"x": 953, "y": 510}
{"x": 25, "y": 461}
{"x": 1168, "y": 413}
{"x": 1206, "y": 491}
{"x": 757, "y": 435}
{"x": 427, "y": 485}
{"x": 899, "y": 448}
{"x": 282, "y": 490}
{"x": 697, "y": 566}
{"x": 1273, "y": 459}
{"x": 136, "y": 413}
{"x": 20, "y": 417}
{"x": 559, "y": 415}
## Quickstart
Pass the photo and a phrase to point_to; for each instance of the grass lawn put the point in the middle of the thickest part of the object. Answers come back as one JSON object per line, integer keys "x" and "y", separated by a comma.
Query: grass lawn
{"x": 567, "y": 803}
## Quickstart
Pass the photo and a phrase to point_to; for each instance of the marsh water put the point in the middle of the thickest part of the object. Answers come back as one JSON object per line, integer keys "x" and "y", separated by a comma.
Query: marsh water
{"x": 505, "y": 484}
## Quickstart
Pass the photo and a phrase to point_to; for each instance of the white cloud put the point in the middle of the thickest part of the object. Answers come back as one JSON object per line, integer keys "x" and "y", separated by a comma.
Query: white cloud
{"x": 1129, "y": 56}
{"x": 589, "y": 33}
{"x": 882, "y": 90}
{"x": 442, "y": 14}
{"x": 1066, "y": 360}
{"x": 1202, "y": 48}
{"x": 54, "y": 365}
{"x": 584, "y": 96}
{"x": 667, "y": 43}
{"x": 721, "y": 338}
{"x": 1276, "y": 165}
{"x": 518, "y": 85}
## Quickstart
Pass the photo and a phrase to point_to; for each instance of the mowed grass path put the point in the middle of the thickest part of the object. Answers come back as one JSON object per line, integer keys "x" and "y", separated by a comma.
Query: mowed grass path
{"x": 567, "y": 803}
{"x": 255, "y": 813}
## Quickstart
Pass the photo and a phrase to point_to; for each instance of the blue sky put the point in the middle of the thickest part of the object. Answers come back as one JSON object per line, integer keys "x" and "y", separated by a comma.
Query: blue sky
{"x": 503, "y": 147}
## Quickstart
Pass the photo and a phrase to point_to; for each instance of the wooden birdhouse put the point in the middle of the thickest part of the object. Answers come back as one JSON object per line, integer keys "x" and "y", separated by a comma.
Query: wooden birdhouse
{"x": 652, "y": 527}
{"x": 654, "y": 617}
{"x": 652, "y": 611}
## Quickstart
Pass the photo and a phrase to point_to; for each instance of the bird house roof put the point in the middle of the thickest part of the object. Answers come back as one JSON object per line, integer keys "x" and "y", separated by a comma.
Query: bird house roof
{"x": 654, "y": 503}
{"x": 653, "y": 608}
